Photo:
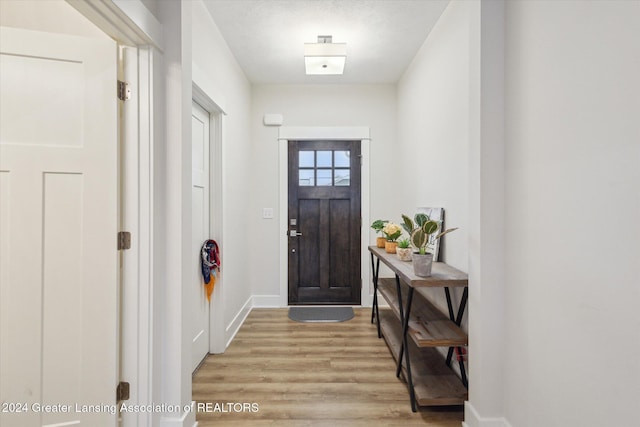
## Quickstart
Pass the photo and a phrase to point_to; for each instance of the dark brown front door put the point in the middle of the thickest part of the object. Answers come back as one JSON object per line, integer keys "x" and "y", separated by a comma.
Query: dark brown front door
{"x": 324, "y": 222}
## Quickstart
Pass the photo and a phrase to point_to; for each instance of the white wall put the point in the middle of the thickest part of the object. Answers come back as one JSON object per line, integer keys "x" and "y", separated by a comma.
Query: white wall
{"x": 573, "y": 203}
{"x": 313, "y": 105}
{"x": 152, "y": 6}
{"x": 172, "y": 215}
{"x": 433, "y": 134}
{"x": 433, "y": 127}
{"x": 229, "y": 88}
{"x": 486, "y": 216}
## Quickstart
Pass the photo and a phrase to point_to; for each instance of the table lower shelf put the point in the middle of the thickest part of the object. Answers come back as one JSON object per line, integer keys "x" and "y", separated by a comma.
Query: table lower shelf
{"x": 428, "y": 327}
{"x": 435, "y": 384}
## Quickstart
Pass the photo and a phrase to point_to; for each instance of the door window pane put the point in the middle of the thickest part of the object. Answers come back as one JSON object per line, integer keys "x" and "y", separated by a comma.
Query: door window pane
{"x": 342, "y": 159}
{"x": 324, "y": 159}
{"x": 324, "y": 168}
{"x": 305, "y": 159}
{"x": 306, "y": 178}
{"x": 324, "y": 177}
{"x": 342, "y": 177}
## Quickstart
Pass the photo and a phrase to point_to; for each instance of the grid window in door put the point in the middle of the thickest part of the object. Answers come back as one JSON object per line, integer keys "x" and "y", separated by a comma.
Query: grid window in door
{"x": 324, "y": 168}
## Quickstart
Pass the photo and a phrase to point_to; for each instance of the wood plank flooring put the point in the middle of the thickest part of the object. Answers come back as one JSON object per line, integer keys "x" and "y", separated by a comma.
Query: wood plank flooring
{"x": 308, "y": 374}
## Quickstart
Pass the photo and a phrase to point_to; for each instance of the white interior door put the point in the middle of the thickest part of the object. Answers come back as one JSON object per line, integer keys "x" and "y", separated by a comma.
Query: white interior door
{"x": 58, "y": 214}
{"x": 200, "y": 230}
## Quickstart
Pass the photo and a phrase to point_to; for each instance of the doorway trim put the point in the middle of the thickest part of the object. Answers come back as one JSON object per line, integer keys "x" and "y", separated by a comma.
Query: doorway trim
{"x": 330, "y": 133}
{"x": 140, "y": 33}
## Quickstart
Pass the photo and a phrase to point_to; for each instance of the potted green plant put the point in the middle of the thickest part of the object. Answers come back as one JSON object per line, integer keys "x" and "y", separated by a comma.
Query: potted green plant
{"x": 420, "y": 239}
{"x": 378, "y": 225}
{"x": 391, "y": 231}
{"x": 409, "y": 225}
{"x": 404, "y": 250}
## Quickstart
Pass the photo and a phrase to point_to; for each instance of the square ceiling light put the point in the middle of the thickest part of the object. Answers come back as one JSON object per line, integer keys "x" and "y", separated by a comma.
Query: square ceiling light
{"x": 325, "y": 57}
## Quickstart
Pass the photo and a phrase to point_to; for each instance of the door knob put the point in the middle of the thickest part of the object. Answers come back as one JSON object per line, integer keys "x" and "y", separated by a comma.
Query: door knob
{"x": 294, "y": 233}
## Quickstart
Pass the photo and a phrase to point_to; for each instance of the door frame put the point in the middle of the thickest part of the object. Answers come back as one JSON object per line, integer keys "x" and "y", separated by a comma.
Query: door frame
{"x": 332, "y": 133}
{"x": 133, "y": 26}
{"x": 136, "y": 188}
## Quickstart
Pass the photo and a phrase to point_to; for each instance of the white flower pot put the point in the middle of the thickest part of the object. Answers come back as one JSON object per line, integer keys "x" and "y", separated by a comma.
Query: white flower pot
{"x": 404, "y": 254}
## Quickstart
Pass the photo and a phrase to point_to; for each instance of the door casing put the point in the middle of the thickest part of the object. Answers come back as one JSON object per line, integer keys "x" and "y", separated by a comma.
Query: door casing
{"x": 295, "y": 133}
{"x": 139, "y": 30}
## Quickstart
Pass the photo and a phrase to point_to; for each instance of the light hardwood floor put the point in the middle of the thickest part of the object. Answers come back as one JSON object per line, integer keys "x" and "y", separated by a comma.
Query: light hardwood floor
{"x": 308, "y": 374}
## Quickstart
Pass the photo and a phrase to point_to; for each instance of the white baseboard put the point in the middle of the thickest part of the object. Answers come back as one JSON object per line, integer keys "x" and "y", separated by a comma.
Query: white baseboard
{"x": 237, "y": 322}
{"x": 186, "y": 419}
{"x": 473, "y": 419}
{"x": 267, "y": 301}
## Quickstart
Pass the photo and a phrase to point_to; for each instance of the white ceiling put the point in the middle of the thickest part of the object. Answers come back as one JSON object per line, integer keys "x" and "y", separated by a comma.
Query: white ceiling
{"x": 382, "y": 36}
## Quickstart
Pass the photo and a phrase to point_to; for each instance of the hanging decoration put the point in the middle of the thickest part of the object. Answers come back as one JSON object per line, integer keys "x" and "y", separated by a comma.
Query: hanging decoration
{"x": 210, "y": 265}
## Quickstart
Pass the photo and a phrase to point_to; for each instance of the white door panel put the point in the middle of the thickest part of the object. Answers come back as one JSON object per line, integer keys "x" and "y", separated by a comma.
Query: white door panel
{"x": 200, "y": 230}
{"x": 58, "y": 213}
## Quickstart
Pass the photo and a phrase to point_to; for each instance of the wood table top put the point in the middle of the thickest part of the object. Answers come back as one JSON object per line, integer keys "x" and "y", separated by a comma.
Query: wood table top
{"x": 442, "y": 274}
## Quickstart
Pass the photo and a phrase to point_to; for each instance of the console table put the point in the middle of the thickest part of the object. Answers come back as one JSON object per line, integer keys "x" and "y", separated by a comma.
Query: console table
{"x": 413, "y": 327}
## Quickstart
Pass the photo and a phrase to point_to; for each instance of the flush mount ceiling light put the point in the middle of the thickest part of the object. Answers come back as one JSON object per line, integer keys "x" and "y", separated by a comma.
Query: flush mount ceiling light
{"x": 325, "y": 57}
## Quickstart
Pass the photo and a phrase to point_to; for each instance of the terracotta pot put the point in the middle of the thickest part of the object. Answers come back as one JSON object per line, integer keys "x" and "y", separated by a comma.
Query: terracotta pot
{"x": 390, "y": 247}
{"x": 380, "y": 241}
{"x": 404, "y": 254}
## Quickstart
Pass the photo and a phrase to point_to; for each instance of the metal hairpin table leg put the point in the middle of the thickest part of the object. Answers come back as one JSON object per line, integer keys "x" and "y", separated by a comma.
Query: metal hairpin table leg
{"x": 405, "y": 314}
{"x": 458, "y": 321}
{"x": 401, "y": 310}
{"x": 375, "y": 312}
{"x": 405, "y": 331}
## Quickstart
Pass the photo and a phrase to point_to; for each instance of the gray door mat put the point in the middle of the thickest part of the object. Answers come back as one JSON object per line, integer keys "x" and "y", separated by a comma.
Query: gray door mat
{"x": 320, "y": 314}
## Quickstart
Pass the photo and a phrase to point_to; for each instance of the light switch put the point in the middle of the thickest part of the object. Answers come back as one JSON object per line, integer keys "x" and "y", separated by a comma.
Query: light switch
{"x": 267, "y": 213}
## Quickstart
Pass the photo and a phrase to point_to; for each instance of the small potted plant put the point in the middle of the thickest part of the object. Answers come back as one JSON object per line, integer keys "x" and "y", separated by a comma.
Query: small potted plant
{"x": 391, "y": 231}
{"x": 404, "y": 250}
{"x": 422, "y": 260}
{"x": 378, "y": 225}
